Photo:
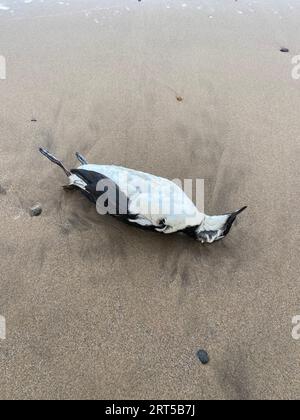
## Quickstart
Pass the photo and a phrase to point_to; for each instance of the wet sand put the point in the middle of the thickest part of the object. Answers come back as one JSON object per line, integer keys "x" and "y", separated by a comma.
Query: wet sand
{"x": 97, "y": 309}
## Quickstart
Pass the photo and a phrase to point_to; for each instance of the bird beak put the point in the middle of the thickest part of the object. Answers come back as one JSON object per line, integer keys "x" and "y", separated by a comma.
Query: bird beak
{"x": 240, "y": 211}
{"x": 231, "y": 219}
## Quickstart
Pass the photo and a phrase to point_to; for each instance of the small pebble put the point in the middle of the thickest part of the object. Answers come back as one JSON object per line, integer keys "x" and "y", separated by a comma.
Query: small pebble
{"x": 36, "y": 210}
{"x": 2, "y": 190}
{"x": 203, "y": 357}
{"x": 33, "y": 120}
{"x": 285, "y": 50}
{"x": 179, "y": 98}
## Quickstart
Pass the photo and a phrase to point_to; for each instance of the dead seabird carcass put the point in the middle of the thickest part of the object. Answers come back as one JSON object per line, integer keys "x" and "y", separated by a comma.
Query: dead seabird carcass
{"x": 144, "y": 200}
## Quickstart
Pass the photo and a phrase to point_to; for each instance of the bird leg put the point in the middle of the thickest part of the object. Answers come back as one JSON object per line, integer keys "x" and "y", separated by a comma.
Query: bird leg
{"x": 81, "y": 159}
{"x": 55, "y": 160}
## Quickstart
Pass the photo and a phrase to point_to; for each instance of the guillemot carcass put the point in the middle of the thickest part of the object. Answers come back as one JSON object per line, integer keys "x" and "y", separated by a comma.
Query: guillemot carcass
{"x": 144, "y": 200}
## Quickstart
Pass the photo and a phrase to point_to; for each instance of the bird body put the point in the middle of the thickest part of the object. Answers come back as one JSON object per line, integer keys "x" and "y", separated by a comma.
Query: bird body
{"x": 150, "y": 197}
{"x": 144, "y": 200}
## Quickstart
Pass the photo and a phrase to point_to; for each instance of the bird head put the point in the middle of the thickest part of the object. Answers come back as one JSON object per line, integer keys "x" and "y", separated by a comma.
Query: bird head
{"x": 214, "y": 228}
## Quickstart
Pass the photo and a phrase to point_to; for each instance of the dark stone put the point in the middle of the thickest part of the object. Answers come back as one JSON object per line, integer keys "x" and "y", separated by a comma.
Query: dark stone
{"x": 285, "y": 50}
{"x": 36, "y": 210}
{"x": 2, "y": 190}
{"x": 203, "y": 357}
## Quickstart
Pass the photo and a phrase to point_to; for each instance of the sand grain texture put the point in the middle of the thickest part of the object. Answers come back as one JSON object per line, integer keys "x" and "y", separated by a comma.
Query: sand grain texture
{"x": 96, "y": 309}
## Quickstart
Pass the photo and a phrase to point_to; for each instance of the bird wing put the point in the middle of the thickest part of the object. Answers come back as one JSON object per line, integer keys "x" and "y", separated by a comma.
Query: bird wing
{"x": 88, "y": 180}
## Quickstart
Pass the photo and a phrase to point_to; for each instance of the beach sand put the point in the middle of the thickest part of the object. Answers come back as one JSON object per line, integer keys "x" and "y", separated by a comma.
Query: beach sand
{"x": 99, "y": 310}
